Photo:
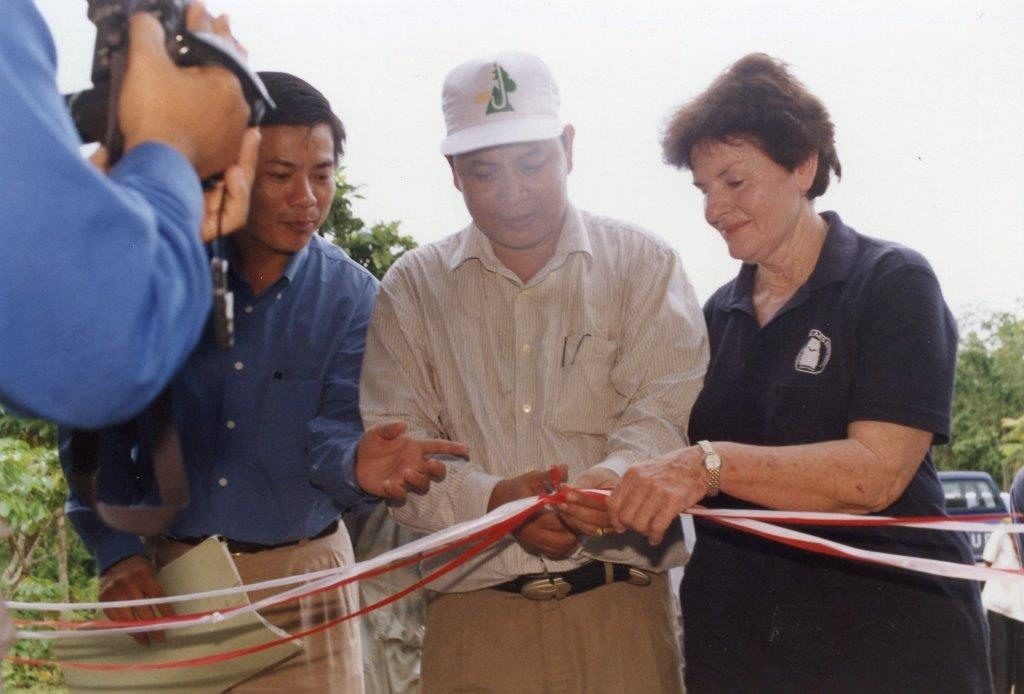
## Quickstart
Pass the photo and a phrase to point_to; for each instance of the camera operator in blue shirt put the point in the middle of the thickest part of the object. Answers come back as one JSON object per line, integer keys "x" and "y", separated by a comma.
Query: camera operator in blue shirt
{"x": 104, "y": 283}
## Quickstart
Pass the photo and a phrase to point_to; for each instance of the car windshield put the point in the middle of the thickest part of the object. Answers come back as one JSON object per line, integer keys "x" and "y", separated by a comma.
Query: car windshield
{"x": 969, "y": 494}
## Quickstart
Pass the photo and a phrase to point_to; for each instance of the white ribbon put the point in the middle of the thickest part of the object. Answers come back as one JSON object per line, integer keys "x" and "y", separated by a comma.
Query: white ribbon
{"x": 310, "y": 582}
{"x": 752, "y": 520}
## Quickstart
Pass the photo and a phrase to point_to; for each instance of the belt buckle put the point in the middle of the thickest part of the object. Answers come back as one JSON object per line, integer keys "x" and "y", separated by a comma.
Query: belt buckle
{"x": 546, "y": 588}
{"x": 638, "y": 577}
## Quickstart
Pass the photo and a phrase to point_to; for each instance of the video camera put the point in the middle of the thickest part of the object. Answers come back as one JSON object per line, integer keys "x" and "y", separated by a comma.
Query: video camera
{"x": 92, "y": 111}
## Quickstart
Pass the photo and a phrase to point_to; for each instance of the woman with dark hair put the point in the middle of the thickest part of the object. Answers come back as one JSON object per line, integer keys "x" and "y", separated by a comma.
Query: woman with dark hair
{"x": 831, "y": 375}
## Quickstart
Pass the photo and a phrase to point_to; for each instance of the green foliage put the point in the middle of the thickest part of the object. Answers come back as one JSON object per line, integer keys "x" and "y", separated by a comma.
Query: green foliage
{"x": 341, "y": 221}
{"x": 27, "y": 677}
{"x": 989, "y": 389}
{"x": 40, "y": 557}
{"x": 1012, "y": 446}
{"x": 375, "y": 248}
{"x": 34, "y": 432}
{"x": 42, "y": 589}
{"x": 33, "y": 486}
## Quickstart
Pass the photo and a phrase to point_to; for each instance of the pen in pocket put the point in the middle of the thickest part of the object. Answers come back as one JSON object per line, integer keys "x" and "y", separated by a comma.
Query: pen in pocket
{"x": 569, "y": 358}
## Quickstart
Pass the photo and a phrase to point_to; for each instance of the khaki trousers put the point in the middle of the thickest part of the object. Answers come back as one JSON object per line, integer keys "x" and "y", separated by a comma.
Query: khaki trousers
{"x": 616, "y": 638}
{"x": 332, "y": 659}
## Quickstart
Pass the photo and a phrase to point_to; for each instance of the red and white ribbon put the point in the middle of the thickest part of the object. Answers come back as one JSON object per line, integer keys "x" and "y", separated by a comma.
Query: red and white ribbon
{"x": 489, "y": 528}
{"x": 472, "y": 538}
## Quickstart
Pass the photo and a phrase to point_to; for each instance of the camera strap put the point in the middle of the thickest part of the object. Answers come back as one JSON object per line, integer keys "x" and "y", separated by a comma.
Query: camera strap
{"x": 168, "y": 471}
{"x": 113, "y": 141}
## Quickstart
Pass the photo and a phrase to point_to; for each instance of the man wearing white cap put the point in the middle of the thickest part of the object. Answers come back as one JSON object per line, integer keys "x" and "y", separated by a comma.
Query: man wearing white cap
{"x": 540, "y": 335}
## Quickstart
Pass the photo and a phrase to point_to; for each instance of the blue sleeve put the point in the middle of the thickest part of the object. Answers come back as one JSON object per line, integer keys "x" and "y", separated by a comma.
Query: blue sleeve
{"x": 335, "y": 432}
{"x": 116, "y": 485}
{"x": 104, "y": 284}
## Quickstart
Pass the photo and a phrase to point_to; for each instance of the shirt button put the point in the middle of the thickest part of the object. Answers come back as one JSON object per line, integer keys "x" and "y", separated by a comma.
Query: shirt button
{"x": 527, "y": 349}
{"x": 278, "y": 295}
{"x": 230, "y": 424}
{"x": 239, "y": 366}
{"x": 248, "y": 309}
{"x": 527, "y": 409}
{"x": 223, "y": 481}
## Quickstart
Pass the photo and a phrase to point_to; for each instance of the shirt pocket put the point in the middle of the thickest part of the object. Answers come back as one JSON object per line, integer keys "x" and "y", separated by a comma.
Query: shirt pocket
{"x": 287, "y": 410}
{"x": 584, "y": 399}
{"x": 805, "y": 413}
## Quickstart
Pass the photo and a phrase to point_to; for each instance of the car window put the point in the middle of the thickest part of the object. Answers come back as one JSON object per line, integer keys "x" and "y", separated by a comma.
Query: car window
{"x": 969, "y": 494}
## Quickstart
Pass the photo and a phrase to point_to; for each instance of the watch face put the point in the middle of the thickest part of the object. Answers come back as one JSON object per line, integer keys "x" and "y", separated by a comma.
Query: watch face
{"x": 712, "y": 461}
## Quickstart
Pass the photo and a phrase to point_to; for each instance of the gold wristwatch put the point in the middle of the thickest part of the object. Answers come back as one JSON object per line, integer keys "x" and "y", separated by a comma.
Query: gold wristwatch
{"x": 713, "y": 464}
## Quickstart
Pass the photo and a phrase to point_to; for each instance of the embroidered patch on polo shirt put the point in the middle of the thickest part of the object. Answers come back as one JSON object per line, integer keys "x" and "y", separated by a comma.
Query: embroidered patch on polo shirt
{"x": 814, "y": 356}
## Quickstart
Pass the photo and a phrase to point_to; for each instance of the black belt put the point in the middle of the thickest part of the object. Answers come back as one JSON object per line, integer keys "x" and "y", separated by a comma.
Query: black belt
{"x": 242, "y": 547}
{"x": 593, "y": 574}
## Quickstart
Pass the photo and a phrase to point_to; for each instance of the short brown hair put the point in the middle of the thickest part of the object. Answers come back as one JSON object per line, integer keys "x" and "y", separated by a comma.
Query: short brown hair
{"x": 757, "y": 97}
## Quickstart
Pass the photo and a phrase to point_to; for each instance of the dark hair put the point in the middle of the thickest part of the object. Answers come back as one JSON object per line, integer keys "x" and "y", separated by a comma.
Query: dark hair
{"x": 758, "y": 98}
{"x": 300, "y": 103}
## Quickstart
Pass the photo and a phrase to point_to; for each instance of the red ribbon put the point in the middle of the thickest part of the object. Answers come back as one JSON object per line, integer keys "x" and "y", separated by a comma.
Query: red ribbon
{"x": 483, "y": 539}
{"x": 472, "y": 544}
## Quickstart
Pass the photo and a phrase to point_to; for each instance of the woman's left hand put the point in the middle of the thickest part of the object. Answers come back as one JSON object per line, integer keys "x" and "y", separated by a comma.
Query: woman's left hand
{"x": 652, "y": 494}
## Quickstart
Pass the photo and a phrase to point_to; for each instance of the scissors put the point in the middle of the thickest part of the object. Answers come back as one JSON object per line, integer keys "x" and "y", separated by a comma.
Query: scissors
{"x": 553, "y": 481}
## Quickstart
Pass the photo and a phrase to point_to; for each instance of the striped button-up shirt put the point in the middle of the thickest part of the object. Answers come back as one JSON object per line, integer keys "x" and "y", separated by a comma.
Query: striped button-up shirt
{"x": 596, "y": 360}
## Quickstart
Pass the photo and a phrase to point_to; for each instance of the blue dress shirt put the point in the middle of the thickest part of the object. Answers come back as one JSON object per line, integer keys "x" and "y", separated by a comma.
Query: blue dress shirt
{"x": 269, "y": 427}
{"x": 104, "y": 285}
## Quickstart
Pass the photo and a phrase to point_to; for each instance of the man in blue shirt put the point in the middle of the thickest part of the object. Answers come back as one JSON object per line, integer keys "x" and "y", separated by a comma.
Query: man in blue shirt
{"x": 270, "y": 430}
{"x": 104, "y": 284}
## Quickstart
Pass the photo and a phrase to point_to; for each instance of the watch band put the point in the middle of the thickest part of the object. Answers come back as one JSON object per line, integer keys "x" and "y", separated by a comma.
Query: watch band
{"x": 713, "y": 464}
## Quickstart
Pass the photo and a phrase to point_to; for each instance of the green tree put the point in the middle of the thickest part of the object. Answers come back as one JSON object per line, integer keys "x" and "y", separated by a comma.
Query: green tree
{"x": 1012, "y": 447}
{"x": 41, "y": 559}
{"x": 376, "y": 247}
{"x": 989, "y": 389}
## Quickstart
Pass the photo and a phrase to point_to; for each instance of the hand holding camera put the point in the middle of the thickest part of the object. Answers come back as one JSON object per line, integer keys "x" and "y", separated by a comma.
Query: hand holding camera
{"x": 195, "y": 110}
{"x": 166, "y": 71}
{"x": 199, "y": 111}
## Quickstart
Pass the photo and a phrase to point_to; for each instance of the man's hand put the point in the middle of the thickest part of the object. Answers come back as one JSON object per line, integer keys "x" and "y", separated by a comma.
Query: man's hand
{"x": 199, "y": 111}
{"x": 653, "y": 493}
{"x": 585, "y": 514}
{"x": 544, "y": 533}
{"x": 134, "y": 578}
{"x": 235, "y": 189}
{"x": 390, "y": 464}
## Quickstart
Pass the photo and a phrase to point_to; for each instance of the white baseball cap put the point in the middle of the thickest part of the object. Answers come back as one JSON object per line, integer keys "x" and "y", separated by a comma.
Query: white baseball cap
{"x": 498, "y": 100}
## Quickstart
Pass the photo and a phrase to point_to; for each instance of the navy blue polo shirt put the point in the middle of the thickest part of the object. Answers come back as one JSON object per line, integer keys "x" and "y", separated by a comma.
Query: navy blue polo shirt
{"x": 868, "y": 337}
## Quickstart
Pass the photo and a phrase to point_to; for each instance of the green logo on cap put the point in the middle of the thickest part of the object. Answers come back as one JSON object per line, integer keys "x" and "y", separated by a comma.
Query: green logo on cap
{"x": 503, "y": 84}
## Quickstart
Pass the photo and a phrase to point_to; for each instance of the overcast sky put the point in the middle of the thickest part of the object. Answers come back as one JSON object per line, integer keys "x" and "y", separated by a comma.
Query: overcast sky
{"x": 927, "y": 97}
